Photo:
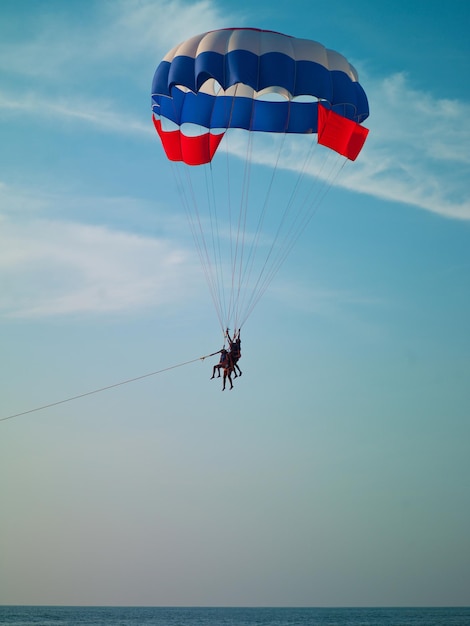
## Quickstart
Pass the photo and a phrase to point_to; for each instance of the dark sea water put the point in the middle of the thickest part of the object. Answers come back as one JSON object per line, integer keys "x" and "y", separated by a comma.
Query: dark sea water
{"x": 128, "y": 616}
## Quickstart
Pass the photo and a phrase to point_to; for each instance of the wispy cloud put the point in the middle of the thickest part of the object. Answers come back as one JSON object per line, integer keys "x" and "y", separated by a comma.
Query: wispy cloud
{"x": 100, "y": 114}
{"x": 119, "y": 35}
{"x": 417, "y": 150}
{"x": 158, "y": 26}
{"x": 60, "y": 268}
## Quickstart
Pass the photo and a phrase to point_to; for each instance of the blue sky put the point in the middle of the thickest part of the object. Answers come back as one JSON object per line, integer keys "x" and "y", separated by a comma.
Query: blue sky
{"x": 337, "y": 471}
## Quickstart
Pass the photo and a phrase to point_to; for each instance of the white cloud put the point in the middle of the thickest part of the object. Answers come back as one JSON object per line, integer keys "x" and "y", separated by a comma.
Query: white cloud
{"x": 156, "y": 27}
{"x": 122, "y": 33}
{"x": 57, "y": 268}
{"x": 99, "y": 113}
{"x": 417, "y": 149}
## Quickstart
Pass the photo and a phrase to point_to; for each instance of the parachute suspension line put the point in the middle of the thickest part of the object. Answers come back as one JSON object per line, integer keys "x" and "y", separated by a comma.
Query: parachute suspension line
{"x": 215, "y": 236}
{"x": 209, "y": 264}
{"x": 309, "y": 211}
{"x": 297, "y": 229}
{"x": 254, "y": 249}
{"x": 233, "y": 250}
{"x": 243, "y": 224}
{"x": 227, "y": 199}
{"x": 240, "y": 236}
{"x": 301, "y": 220}
{"x": 291, "y": 212}
{"x": 191, "y": 207}
{"x": 230, "y": 220}
{"x": 234, "y": 306}
{"x": 190, "y": 204}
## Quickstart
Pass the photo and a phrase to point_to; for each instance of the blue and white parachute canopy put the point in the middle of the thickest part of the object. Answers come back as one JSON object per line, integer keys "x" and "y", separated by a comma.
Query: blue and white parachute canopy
{"x": 255, "y": 80}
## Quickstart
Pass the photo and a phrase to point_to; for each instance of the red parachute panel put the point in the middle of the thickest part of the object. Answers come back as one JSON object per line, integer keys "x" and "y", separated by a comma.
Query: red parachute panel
{"x": 340, "y": 134}
{"x": 191, "y": 150}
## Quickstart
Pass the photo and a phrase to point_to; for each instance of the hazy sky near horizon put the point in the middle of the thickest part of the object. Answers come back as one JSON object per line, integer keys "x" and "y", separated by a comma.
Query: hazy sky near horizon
{"x": 337, "y": 470}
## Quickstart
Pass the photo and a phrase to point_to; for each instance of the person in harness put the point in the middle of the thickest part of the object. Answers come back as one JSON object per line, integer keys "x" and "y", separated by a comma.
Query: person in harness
{"x": 235, "y": 350}
{"x": 226, "y": 365}
{"x": 222, "y": 364}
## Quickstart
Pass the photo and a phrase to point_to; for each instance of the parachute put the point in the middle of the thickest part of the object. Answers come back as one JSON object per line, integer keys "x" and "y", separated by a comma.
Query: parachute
{"x": 236, "y": 111}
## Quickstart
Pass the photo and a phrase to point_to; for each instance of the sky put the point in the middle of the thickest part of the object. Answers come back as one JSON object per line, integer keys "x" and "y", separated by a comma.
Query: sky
{"x": 336, "y": 473}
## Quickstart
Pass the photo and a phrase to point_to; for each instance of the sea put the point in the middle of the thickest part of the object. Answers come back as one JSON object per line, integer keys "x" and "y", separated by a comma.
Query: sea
{"x": 199, "y": 616}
